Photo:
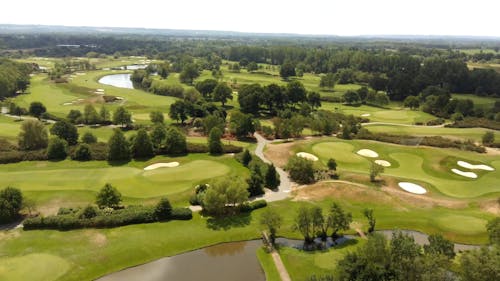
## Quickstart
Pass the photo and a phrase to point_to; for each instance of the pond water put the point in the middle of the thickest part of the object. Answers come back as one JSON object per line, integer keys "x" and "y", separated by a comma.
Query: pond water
{"x": 117, "y": 80}
{"x": 227, "y": 261}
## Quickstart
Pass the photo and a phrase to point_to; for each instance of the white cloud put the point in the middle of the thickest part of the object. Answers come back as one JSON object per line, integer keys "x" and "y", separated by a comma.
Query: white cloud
{"x": 355, "y": 17}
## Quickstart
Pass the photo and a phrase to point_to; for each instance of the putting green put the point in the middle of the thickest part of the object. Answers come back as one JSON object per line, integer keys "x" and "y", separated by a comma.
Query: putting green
{"x": 462, "y": 224}
{"x": 130, "y": 179}
{"x": 47, "y": 267}
{"x": 340, "y": 151}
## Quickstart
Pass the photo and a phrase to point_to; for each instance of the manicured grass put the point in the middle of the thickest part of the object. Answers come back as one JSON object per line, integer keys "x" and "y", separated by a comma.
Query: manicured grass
{"x": 486, "y": 102}
{"x": 267, "y": 263}
{"x": 130, "y": 179}
{"x": 475, "y": 134}
{"x": 45, "y": 266}
{"x": 301, "y": 264}
{"x": 430, "y": 165}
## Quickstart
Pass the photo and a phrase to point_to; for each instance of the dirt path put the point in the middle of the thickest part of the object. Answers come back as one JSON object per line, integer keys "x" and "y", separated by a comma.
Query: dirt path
{"x": 284, "y": 276}
{"x": 361, "y": 233}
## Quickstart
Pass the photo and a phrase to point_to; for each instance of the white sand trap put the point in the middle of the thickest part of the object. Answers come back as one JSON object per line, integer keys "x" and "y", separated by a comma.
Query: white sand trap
{"x": 468, "y": 165}
{"x": 67, "y": 103}
{"x": 367, "y": 153}
{"x": 80, "y": 73}
{"x": 465, "y": 174}
{"x": 307, "y": 156}
{"x": 365, "y": 115}
{"x": 100, "y": 90}
{"x": 161, "y": 165}
{"x": 383, "y": 163}
{"x": 412, "y": 188}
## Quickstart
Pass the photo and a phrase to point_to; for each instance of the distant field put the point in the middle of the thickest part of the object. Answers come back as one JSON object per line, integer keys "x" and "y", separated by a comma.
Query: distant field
{"x": 486, "y": 102}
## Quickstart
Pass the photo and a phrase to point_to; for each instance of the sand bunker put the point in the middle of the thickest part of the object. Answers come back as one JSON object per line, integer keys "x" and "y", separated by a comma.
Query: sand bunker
{"x": 365, "y": 115}
{"x": 383, "y": 163}
{"x": 307, "y": 156}
{"x": 412, "y": 188}
{"x": 465, "y": 174}
{"x": 467, "y": 165}
{"x": 67, "y": 103}
{"x": 161, "y": 165}
{"x": 367, "y": 153}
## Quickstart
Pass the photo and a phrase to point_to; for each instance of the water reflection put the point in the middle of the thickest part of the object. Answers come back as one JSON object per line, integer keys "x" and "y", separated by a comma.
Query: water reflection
{"x": 117, "y": 80}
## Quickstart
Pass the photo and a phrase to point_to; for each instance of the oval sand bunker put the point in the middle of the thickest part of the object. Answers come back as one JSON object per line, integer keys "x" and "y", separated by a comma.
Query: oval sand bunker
{"x": 465, "y": 174}
{"x": 412, "y": 188}
{"x": 383, "y": 163}
{"x": 161, "y": 165}
{"x": 367, "y": 153}
{"x": 468, "y": 165}
{"x": 307, "y": 156}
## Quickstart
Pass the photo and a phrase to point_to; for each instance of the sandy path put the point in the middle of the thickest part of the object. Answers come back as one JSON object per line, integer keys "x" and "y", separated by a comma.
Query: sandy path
{"x": 284, "y": 276}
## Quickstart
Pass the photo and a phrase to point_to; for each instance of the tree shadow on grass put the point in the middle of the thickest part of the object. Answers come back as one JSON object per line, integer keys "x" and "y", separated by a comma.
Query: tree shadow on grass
{"x": 226, "y": 223}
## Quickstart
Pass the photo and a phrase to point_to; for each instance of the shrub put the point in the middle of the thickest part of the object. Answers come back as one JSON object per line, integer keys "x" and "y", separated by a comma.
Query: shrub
{"x": 108, "y": 196}
{"x": 82, "y": 153}
{"x": 11, "y": 201}
{"x": 163, "y": 209}
{"x": 181, "y": 214}
{"x": 253, "y": 205}
{"x": 197, "y": 148}
{"x": 57, "y": 149}
{"x": 89, "y": 138}
{"x": 230, "y": 148}
{"x": 88, "y": 212}
{"x": 301, "y": 170}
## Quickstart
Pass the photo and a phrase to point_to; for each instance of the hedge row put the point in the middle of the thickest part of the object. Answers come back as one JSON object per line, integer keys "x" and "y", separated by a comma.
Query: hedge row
{"x": 435, "y": 141}
{"x": 253, "y": 205}
{"x": 121, "y": 217}
{"x": 203, "y": 148}
{"x": 473, "y": 122}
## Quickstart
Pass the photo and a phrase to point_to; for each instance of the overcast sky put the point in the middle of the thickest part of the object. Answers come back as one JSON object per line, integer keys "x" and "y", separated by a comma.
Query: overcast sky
{"x": 346, "y": 17}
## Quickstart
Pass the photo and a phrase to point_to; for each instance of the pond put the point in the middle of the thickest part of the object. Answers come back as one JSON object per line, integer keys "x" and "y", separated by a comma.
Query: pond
{"x": 227, "y": 261}
{"x": 117, "y": 80}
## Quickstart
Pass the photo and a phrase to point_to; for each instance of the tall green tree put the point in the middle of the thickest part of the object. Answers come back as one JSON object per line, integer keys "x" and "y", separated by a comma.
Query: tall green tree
{"x": 327, "y": 81}
{"x": 11, "y": 202}
{"x": 108, "y": 197}
{"x": 272, "y": 178}
{"x": 37, "y": 109}
{"x": 158, "y": 135}
{"x": 222, "y": 93}
{"x": 241, "y": 124}
{"x": 156, "y": 117}
{"x": 33, "y": 135}
{"x": 189, "y": 73}
{"x": 118, "y": 146}
{"x": 214, "y": 141}
{"x": 287, "y": 69}
{"x": 338, "y": 219}
{"x": 90, "y": 115}
{"x": 66, "y": 131}
{"x": 272, "y": 220}
{"x": 375, "y": 170}
{"x": 225, "y": 196}
{"x": 255, "y": 182}
{"x": 57, "y": 149}
{"x": 301, "y": 170}
{"x": 142, "y": 146}
{"x": 175, "y": 141}
{"x": 368, "y": 213}
{"x": 122, "y": 117}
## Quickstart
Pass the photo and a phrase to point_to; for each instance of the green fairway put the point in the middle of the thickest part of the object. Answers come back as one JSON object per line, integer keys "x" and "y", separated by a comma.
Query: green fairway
{"x": 131, "y": 180}
{"x": 426, "y": 164}
{"x": 474, "y": 134}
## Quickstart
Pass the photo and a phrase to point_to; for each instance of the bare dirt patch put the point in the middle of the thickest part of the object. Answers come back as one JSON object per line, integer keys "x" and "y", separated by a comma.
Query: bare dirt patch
{"x": 279, "y": 153}
{"x": 5, "y": 235}
{"x": 491, "y": 206}
{"x": 96, "y": 238}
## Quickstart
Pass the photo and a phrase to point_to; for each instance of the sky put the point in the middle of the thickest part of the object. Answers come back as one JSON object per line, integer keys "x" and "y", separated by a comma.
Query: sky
{"x": 334, "y": 17}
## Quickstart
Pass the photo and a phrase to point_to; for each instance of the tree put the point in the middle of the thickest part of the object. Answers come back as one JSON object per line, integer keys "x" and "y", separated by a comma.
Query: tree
{"x": 104, "y": 114}
{"x": 488, "y": 138}
{"x": 222, "y": 93}
{"x": 163, "y": 70}
{"x": 304, "y": 224}
{"x": 175, "y": 141}
{"x": 74, "y": 116}
{"x": 246, "y": 158}
{"x": 163, "y": 210}
{"x": 412, "y": 102}
{"x": 57, "y": 149}
{"x": 250, "y": 97}
{"x": 122, "y": 117}
{"x": 332, "y": 164}
{"x": 255, "y": 182}
{"x": 286, "y": 70}
{"x": 206, "y": 87}
{"x": 142, "y": 147}
{"x": 66, "y": 131}
{"x": 108, "y": 197}
{"x": 301, "y": 170}
{"x": 438, "y": 245}
{"x": 480, "y": 265}
{"x": 213, "y": 121}
{"x": 189, "y": 73}
{"x": 375, "y": 170}
{"x": 11, "y": 202}
{"x": 368, "y": 213}
{"x": 90, "y": 115}
{"x": 252, "y": 66}
{"x": 272, "y": 178}
{"x": 493, "y": 228}
{"x": 158, "y": 135}
{"x": 82, "y": 153}
{"x": 296, "y": 92}
{"x": 272, "y": 220}
{"x": 351, "y": 98}
{"x": 214, "y": 142}
{"x": 404, "y": 256}
{"x": 241, "y": 124}
{"x": 89, "y": 138}
{"x": 338, "y": 219}
{"x": 314, "y": 99}
{"x": 33, "y": 135}
{"x": 118, "y": 146}
{"x": 224, "y": 196}
{"x": 179, "y": 110}
{"x": 327, "y": 81}
{"x": 37, "y": 109}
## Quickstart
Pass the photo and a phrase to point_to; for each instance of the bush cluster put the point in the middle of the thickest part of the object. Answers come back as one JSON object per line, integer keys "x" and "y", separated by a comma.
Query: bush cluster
{"x": 68, "y": 219}
{"x": 472, "y": 122}
{"x": 257, "y": 204}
